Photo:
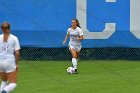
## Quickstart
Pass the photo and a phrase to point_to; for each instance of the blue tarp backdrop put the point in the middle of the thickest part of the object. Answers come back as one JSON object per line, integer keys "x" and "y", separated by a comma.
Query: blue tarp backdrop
{"x": 44, "y": 23}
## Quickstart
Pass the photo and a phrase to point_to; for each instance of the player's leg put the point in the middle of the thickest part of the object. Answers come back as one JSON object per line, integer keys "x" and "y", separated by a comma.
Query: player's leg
{"x": 73, "y": 53}
{"x": 78, "y": 48}
{"x": 11, "y": 73}
{"x": 4, "y": 81}
{"x": 77, "y": 53}
{"x": 12, "y": 78}
{"x": 74, "y": 58}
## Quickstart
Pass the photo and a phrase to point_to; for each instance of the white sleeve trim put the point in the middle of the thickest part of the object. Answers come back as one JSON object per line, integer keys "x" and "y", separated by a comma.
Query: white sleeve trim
{"x": 17, "y": 45}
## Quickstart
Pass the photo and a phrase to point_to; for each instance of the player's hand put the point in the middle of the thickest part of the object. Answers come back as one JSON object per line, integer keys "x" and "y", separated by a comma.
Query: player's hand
{"x": 17, "y": 68}
{"x": 77, "y": 38}
{"x": 64, "y": 42}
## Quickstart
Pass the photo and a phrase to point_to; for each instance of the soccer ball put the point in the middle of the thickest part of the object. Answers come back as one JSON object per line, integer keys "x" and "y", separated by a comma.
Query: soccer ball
{"x": 70, "y": 70}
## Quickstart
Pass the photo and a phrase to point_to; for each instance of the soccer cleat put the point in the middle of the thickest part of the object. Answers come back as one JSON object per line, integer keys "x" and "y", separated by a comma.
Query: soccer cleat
{"x": 76, "y": 72}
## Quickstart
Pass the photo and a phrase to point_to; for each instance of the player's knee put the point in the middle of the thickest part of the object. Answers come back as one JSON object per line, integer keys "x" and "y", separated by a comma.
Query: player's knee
{"x": 75, "y": 56}
{"x": 3, "y": 77}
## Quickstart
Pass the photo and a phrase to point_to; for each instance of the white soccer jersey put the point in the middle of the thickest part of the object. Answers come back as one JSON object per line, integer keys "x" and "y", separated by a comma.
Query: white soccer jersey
{"x": 8, "y": 48}
{"x": 73, "y": 33}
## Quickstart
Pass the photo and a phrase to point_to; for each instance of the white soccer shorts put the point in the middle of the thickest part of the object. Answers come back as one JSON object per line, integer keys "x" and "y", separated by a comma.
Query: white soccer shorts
{"x": 7, "y": 66}
{"x": 77, "y": 48}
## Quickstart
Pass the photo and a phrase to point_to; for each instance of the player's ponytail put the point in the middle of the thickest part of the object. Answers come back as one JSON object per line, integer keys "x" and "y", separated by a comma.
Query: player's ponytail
{"x": 78, "y": 24}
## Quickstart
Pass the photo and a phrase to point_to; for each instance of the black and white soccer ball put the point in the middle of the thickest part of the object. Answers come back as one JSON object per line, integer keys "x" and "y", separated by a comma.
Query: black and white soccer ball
{"x": 70, "y": 70}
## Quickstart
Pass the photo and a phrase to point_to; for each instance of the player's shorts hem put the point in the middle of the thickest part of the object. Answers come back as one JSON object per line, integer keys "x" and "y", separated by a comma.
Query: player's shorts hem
{"x": 8, "y": 71}
{"x": 76, "y": 49}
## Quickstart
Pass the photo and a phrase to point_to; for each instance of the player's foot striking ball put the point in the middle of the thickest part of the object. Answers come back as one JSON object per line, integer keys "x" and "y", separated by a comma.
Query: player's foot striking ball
{"x": 76, "y": 35}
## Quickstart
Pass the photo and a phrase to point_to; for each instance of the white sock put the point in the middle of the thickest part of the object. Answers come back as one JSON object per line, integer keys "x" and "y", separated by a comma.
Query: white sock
{"x": 74, "y": 62}
{"x": 10, "y": 87}
{"x": 3, "y": 85}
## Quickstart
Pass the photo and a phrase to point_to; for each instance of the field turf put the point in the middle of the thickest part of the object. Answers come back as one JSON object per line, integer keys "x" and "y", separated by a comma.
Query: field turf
{"x": 94, "y": 77}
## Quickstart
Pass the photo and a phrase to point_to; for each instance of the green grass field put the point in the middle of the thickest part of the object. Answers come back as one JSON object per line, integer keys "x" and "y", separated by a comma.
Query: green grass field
{"x": 94, "y": 77}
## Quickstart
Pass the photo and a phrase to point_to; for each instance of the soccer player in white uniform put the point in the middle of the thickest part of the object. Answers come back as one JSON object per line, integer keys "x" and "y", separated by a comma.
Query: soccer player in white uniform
{"x": 9, "y": 56}
{"x": 76, "y": 35}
